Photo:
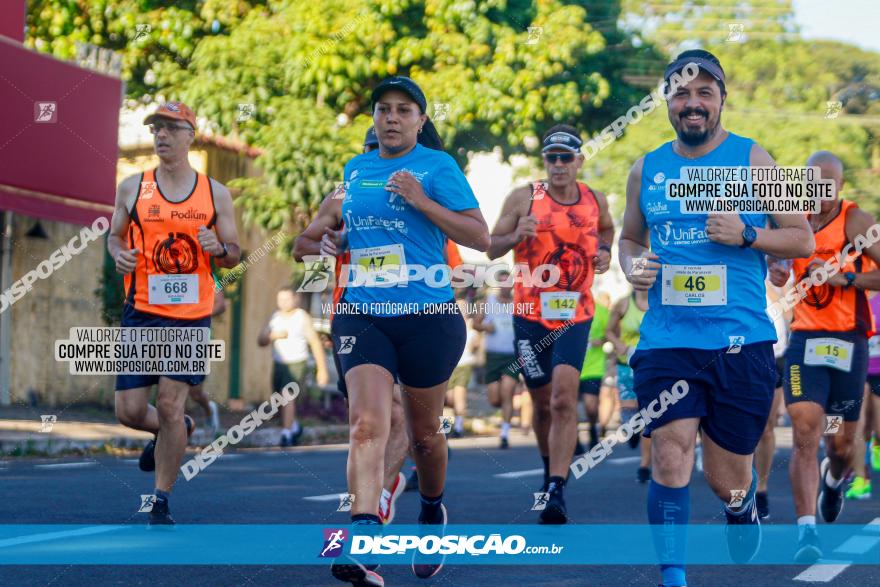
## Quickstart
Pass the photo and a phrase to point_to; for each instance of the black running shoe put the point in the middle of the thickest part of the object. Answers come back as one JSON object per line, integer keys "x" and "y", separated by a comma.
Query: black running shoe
{"x": 809, "y": 550}
{"x": 554, "y": 512}
{"x": 426, "y": 566}
{"x": 579, "y": 448}
{"x": 643, "y": 475}
{"x": 504, "y": 443}
{"x": 147, "y": 460}
{"x": 830, "y": 500}
{"x": 160, "y": 515}
{"x": 763, "y": 505}
{"x": 348, "y": 570}
{"x": 285, "y": 440}
{"x": 412, "y": 484}
{"x": 594, "y": 437}
{"x": 633, "y": 441}
{"x": 743, "y": 533}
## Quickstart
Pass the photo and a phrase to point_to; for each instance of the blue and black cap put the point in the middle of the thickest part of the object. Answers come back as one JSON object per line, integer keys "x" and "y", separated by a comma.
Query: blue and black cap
{"x": 403, "y": 84}
{"x": 704, "y": 60}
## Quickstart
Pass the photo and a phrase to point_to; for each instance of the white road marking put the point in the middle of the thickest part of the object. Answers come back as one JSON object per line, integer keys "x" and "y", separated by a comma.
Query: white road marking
{"x": 625, "y": 460}
{"x": 56, "y": 535}
{"x": 518, "y": 474}
{"x": 858, "y": 545}
{"x": 873, "y": 527}
{"x": 67, "y": 465}
{"x": 823, "y": 571}
{"x": 328, "y": 497}
{"x": 537, "y": 472}
{"x": 826, "y": 570}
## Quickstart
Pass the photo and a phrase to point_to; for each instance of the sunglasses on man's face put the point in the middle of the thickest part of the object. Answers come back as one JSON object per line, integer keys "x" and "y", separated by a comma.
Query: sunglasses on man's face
{"x": 169, "y": 126}
{"x": 553, "y": 158}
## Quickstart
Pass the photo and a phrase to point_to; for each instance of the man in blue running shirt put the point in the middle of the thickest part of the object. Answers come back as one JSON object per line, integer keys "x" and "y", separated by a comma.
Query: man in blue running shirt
{"x": 706, "y": 336}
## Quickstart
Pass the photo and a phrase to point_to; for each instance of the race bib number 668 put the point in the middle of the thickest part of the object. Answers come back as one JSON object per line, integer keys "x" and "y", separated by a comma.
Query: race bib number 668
{"x": 173, "y": 289}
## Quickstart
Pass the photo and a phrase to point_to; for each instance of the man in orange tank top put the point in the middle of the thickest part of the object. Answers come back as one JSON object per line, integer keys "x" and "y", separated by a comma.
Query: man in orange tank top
{"x": 561, "y": 232}
{"x": 827, "y": 358}
{"x": 167, "y": 227}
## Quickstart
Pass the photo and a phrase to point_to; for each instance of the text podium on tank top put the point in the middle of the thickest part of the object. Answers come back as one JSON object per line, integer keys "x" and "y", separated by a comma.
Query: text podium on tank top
{"x": 707, "y": 295}
{"x": 172, "y": 277}
{"x": 567, "y": 237}
{"x": 826, "y": 307}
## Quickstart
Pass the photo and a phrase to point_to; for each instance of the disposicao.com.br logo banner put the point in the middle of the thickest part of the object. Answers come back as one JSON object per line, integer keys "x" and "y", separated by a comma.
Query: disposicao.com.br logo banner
{"x": 292, "y": 544}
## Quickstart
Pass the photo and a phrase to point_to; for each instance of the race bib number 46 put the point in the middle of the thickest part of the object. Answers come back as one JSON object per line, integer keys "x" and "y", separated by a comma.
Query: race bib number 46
{"x": 173, "y": 289}
{"x": 695, "y": 285}
{"x": 383, "y": 265}
{"x": 559, "y": 305}
{"x": 829, "y": 352}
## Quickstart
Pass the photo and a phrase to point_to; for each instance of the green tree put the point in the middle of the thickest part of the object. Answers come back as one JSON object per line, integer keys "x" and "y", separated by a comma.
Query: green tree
{"x": 495, "y": 73}
{"x": 146, "y": 33}
{"x": 778, "y": 94}
{"x": 673, "y": 25}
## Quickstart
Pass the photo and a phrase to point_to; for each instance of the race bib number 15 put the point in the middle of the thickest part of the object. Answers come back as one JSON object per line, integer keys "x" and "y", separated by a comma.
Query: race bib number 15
{"x": 829, "y": 352}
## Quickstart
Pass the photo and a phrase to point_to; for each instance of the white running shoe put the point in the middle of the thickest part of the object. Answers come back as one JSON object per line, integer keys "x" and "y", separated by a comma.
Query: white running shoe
{"x": 215, "y": 416}
{"x": 387, "y": 509}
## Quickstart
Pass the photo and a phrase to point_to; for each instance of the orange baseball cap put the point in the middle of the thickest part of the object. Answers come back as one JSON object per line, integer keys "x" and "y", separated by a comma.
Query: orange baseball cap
{"x": 175, "y": 110}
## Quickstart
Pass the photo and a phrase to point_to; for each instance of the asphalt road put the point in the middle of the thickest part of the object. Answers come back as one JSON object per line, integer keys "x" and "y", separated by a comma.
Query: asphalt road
{"x": 271, "y": 487}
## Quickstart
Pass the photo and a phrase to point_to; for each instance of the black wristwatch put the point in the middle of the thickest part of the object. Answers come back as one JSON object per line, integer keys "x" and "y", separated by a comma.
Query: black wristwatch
{"x": 749, "y": 235}
{"x": 605, "y": 247}
{"x": 850, "y": 278}
{"x": 225, "y": 251}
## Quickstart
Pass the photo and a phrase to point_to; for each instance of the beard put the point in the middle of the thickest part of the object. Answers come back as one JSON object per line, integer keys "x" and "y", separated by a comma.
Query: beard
{"x": 695, "y": 137}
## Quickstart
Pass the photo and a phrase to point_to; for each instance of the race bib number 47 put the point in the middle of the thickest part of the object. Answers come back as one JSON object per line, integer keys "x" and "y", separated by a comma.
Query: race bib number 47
{"x": 383, "y": 265}
{"x": 695, "y": 285}
{"x": 174, "y": 289}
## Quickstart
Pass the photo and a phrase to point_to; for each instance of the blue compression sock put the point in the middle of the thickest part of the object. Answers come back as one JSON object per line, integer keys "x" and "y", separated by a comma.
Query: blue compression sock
{"x": 669, "y": 511}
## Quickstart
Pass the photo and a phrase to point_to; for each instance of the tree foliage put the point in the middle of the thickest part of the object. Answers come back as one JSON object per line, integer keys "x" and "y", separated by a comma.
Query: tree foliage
{"x": 779, "y": 94}
{"x": 146, "y": 33}
{"x": 496, "y": 72}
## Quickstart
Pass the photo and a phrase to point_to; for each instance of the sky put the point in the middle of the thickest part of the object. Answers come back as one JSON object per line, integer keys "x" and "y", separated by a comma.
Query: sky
{"x": 852, "y": 21}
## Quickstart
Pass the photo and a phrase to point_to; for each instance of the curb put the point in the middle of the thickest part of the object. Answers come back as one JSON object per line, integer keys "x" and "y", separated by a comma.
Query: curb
{"x": 47, "y": 444}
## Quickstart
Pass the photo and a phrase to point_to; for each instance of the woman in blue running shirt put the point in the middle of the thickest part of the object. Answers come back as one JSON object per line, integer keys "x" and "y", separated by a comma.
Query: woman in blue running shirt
{"x": 397, "y": 315}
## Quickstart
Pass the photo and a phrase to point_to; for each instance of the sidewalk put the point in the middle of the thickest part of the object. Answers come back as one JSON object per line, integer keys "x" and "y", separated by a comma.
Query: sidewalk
{"x": 92, "y": 429}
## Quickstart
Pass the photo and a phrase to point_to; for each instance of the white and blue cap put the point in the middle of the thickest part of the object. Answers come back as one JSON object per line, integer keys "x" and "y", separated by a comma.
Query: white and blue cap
{"x": 565, "y": 140}
{"x": 371, "y": 140}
